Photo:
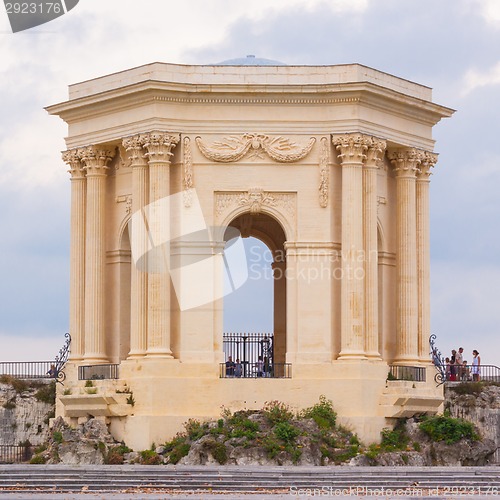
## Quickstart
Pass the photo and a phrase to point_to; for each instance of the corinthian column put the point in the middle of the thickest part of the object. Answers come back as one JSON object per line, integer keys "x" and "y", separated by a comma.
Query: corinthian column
{"x": 423, "y": 255}
{"x": 95, "y": 162}
{"x": 406, "y": 164}
{"x": 375, "y": 154}
{"x": 159, "y": 147}
{"x": 139, "y": 277}
{"x": 352, "y": 152}
{"x": 77, "y": 255}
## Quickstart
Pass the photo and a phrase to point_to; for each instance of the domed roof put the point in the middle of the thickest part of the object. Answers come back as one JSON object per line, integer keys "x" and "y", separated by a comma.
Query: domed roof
{"x": 250, "y": 60}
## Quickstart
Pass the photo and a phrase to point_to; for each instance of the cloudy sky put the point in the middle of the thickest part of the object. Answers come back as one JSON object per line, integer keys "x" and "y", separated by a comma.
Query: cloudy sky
{"x": 449, "y": 45}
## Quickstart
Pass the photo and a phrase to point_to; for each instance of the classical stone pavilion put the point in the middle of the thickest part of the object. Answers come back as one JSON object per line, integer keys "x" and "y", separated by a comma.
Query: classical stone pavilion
{"x": 328, "y": 165}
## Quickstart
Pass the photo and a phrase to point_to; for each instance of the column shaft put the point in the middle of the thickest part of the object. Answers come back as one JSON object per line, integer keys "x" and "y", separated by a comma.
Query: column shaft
{"x": 406, "y": 163}
{"x": 95, "y": 164}
{"x": 423, "y": 255}
{"x": 139, "y": 276}
{"x": 158, "y": 146}
{"x": 375, "y": 154}
{"x": 77, "y": 256}
{"x": 352, "y": 149}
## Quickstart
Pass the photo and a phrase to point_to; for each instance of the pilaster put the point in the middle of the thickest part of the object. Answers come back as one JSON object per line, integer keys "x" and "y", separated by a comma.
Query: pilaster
{"x": 95, "y": 162}
{"x": 77, "y": 255}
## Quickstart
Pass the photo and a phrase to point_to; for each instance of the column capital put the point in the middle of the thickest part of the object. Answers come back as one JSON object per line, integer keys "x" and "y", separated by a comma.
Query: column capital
{"x": 134, "y": 148}
{"x": 72, "y": 158}
{"x": 375, "y": 152}
{"x": 95, "y": 159}
{"x": 159, "y": 145}
{"x": 406, "y": 161}
{"x": 428, "y": 162}
{"x": 351, "y": 147}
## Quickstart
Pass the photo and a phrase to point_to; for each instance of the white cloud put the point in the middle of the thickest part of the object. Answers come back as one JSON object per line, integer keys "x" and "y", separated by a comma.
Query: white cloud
{"x": 475, "y": 78}
{"x": 490, "y": 10}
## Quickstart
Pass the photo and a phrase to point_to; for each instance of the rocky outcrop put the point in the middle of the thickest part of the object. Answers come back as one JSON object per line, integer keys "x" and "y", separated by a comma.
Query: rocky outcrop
{"x": 25, "y": 411}
{"x": 480, "y": 404}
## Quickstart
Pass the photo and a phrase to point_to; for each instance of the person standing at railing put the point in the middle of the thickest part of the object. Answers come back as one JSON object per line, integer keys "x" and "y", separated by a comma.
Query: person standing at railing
{"x": 476, "y": 366}
{"x": 230, "y": 366}
{"x": 52, "y": 373}
{"x": 453, "y": 366}
{"x": 459, "y": 360}
{"x": 237, "y": 368}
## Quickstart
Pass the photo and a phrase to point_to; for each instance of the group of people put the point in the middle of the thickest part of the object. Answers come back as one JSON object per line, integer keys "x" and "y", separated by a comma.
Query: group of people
{"x": 235, "y": 369}
{"x": 458, "y": 369}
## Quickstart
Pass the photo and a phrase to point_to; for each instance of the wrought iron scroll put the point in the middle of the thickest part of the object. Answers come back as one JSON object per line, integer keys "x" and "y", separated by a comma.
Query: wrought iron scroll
{"x": 60, "y": 360}
{"x": 438, "y": 361}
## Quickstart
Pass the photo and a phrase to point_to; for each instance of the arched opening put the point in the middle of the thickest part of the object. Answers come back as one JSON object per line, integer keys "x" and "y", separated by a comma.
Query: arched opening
{"x": 255, "y": 313}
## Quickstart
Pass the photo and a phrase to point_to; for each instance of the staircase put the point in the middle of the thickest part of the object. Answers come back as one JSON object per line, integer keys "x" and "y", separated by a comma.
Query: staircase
{"x": 414, "y": 481}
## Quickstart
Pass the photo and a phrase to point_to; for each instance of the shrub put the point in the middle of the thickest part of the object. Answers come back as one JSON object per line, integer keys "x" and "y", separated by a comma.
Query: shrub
{"x": 57, "y": 437}
{"x": 38, "y": 459}
{"x": 286, "y": 432}
{"x": 474, "y": 388}
{"x": 394, "y": 439}
{"x": 195, "y": 429}
{"x": 131, "y": 400}
{"x": 89, "y": 383}
{"x": 115, "y": 455}
{"x": 276, "y": 412}
{"x": 177, "y": 448}
{"x": 150, "y": 457}
{"x": 218, "y": 450}
{"x": 47, "y": 393}
{"x": 322, "y": 413}
{"x": 448, "y": 429}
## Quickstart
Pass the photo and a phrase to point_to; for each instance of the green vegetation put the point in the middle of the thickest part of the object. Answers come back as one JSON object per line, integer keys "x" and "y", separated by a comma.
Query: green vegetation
{"x": 150, "y": 457}
{"x": 177, "y": 448}
{"x": 322, "y": 413}
{"x": 448, "y": 429}
{"x": 38, "y": 459}
{"x": 46, "y": 393}
{"x": 57, "y": 437}
{"x": 277, "y": 412}
{"x": 131, "y": 400}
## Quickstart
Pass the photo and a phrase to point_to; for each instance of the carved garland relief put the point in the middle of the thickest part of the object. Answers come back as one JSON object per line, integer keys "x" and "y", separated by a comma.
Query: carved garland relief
{"x": 255, "y": 200}
{"x": 234, "y": 148}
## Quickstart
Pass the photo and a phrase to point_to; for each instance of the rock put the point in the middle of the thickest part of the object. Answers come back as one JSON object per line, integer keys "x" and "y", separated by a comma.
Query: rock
{"x": 80, "y": 453}
{"x": 160, "y": 450}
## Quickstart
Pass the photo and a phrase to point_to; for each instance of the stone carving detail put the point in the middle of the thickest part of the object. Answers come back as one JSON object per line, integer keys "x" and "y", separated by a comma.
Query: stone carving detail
{"x": 234, "y": 148}
{"x": 255, "y": 199}
{"x": 135, "y": 152}
{"x": 406, "y": 161}
{"x": 324, "y": 182}
{"x": 159, "y": 145}
{"x": 72, "y": 158}
{"x": 375, "y": 152}
{"x": 127, "y": 199}
{"x": 428, "y": 161}
{"x": 352, "y": 147}
{"x": 95, "y": 160}
{"x": 187, "y": 174}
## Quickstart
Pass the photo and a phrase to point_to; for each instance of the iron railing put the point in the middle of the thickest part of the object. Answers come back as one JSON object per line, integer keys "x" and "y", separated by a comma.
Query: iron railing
{"x": 98, "y": 372}
{"x": 14, "y": 454}
{"x": 26, "y": 369}
{"x": 256, "y": 370}
{"x": 402, "y": 372}
{"x": 471, "y": 373}
{"x": 248, "y": 348}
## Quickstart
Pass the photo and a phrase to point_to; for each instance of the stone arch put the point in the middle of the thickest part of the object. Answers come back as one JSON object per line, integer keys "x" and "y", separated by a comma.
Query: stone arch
{"x": 270, "y": 231}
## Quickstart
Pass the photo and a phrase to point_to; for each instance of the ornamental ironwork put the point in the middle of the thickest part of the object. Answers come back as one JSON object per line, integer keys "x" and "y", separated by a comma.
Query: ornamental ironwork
{"x": 56, "y": 370}
{"x": 438, "y": 361}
